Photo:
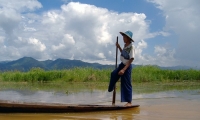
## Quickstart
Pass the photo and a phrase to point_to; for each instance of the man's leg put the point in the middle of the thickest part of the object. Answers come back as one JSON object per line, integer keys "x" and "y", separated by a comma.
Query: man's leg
{"x": 114, "y": 78}
{"x": 126, "y": 87}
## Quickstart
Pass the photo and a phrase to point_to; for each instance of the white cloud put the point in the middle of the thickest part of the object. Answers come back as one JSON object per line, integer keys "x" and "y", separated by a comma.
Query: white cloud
{"x": 66, "y": 42}
{"x": 101, "y": 55}
{"x": 182, "y": 17}
{"x": 92, "y": 30}
{"x": 166, "y": 56}
{"x": 163, "y": 55}
{"x": 37, "y": 44}
{"x": 142, "y": 58}
{"x": 58, "y": 47}
{"x": 29, "y": 28}
{"x": 20, "y": 5}
{"x": 10, "y": 12}
{"x": 160, "y": 50}
{"x": 75, "y": 31}
{"x": 1, "y": 40}
{"x": 68, "y": 39}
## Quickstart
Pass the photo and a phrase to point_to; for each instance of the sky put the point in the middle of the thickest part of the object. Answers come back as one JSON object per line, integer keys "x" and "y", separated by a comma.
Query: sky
{"x": 166, "y": 32}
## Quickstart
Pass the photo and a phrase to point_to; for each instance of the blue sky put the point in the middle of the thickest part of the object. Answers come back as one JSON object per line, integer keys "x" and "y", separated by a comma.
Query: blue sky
{"x": 120, "y": 6}
{"x": 166, "y": 32}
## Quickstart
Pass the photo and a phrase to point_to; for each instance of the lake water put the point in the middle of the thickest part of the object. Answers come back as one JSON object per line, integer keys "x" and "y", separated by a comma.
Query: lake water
{"x": 157, "y": 102}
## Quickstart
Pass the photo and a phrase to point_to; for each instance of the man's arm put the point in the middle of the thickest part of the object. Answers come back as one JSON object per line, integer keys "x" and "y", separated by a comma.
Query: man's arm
{"x": 118, "y": 46}
{"x": 121, "y": 72}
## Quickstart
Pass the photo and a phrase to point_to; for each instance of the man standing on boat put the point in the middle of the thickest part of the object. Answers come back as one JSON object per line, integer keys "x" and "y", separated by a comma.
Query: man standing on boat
{"x": 124, "y": 69}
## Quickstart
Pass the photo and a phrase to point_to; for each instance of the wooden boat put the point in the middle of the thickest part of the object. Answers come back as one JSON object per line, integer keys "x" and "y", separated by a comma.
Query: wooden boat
{"x": 24, "y": 107}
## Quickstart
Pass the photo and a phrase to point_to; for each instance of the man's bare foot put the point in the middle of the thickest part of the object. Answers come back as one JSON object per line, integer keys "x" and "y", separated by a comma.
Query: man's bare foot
{"x": 128, "y": 104}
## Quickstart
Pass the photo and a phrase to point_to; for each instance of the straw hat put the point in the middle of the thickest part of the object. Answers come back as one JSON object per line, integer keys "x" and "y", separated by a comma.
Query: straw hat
{"x": 127, "y": 33}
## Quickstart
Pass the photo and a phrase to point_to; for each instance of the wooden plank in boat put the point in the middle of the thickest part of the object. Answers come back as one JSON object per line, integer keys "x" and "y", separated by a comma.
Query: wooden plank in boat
{"x": 23, "y": 107}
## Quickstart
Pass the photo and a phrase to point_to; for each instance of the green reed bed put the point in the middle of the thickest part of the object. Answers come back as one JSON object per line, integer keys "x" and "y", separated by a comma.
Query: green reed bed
{"x": 155, "y": 74}
{"x": 139, "y": 74}
{"x": 67, "y": 75}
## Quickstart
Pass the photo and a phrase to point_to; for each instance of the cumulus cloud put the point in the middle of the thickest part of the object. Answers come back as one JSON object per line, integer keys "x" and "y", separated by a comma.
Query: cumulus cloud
{"x": 140, "y": 46}
{"x": 20, "y": 6}
{"x": 10, "y": 14}
{"x": 182, "y": 17}
{"x": 75, "y": 31}
{"x": 36, "y": 44}
{"x": 166, "y": 56}
{"x": 79, "y": 30}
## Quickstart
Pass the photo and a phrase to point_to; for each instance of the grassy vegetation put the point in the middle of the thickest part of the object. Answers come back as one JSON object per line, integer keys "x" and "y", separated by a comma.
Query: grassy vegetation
{"x": 139, "y": 74}
{"x": 155, "y": 74}
{"x": 68, "y": 75}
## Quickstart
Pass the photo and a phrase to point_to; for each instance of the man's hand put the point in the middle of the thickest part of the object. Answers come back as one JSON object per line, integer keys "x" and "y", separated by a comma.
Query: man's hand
{"x": 117, "y": 45}
{"x": 121, "y": 72}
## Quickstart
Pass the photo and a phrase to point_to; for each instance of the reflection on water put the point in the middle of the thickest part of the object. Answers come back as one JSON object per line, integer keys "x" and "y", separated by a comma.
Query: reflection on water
{"x": 56, "y": 97}
{"x": 173, "y": 104}
{"x": 110, "y": 115}
{"x": 95, "y": 97}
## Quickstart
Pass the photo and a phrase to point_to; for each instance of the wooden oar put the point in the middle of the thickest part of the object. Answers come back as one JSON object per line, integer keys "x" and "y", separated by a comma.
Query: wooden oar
{"x": 114, "y": 92}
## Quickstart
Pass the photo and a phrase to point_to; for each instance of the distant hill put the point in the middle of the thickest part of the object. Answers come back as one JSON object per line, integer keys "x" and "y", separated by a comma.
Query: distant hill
{"x": 26, "y": 63}
{"x": 22, "y": 64}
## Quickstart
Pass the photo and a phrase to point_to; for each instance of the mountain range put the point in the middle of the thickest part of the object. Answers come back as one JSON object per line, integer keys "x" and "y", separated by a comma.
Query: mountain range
{"x": 26, "y": 63}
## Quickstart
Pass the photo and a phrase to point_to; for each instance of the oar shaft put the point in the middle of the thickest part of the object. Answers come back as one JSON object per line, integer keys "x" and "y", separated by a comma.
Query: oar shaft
{"x": 114, "y": 92}
{"x": 116, "y": 54}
